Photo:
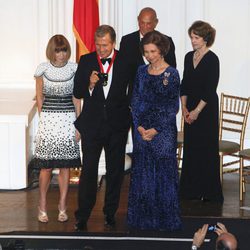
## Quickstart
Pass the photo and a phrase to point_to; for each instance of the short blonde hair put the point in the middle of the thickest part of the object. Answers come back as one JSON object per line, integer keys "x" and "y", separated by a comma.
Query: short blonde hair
{"x": 56, "y": 44}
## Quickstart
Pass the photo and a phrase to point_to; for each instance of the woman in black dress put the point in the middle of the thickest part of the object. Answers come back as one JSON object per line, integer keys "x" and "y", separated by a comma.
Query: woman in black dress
{"x": 200, "y": 177}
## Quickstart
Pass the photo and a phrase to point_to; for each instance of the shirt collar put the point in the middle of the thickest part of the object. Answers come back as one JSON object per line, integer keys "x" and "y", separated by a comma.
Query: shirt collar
{"x": 111, "y": 55}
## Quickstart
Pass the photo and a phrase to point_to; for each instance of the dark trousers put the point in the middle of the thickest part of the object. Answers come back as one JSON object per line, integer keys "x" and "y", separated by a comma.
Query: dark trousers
{"x": 114, "y": 144}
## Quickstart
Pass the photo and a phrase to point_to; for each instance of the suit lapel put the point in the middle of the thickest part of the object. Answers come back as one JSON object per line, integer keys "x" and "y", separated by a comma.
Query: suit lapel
{"x": 138, "y": 38}
{"x": 99, "y": 89}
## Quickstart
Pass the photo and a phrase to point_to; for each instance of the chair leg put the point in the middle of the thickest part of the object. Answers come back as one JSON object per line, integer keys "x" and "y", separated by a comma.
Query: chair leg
{"x": 221, "y": 169}
{"x": 243, "y": 185}
{"x": 242, "y": 188}
{"x": 179, "y": 149}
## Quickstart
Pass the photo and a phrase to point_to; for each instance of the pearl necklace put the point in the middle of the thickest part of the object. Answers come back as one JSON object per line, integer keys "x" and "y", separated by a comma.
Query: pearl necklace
{"x": 156, "y": 68}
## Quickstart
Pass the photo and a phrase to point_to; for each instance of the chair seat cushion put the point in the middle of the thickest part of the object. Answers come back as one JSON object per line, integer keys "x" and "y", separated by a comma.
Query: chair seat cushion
{"x": 228, "y": 147}
{"x": 245, "y": 153}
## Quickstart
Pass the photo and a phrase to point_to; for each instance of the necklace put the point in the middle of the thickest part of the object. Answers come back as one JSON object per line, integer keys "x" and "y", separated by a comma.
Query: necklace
{"x": 156, "y": 68}
{"x": 158, "y": 65}
{"x": 199, "y": 54}
{"x": 196, "y": 55}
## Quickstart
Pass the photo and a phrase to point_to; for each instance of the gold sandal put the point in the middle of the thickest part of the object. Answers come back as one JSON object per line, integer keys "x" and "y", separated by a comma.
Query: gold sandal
{"x": 62, "y": 216}
{"x": 42, "y": 216}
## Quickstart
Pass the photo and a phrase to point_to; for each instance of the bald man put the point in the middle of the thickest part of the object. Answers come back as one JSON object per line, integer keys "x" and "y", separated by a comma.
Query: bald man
{"x": 225, "y": 239}
{"x": 129, "y": 45}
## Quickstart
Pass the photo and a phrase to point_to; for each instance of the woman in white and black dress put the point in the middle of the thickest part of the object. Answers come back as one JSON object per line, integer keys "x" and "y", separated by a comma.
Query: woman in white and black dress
{"x": 56, "y": 140}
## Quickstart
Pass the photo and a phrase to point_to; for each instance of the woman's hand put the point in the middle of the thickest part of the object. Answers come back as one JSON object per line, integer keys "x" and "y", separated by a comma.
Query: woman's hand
{"x": 149, "y": 134}
{"x": 39, "y": 94}
{"x": 193, "y": 116}
{"x": 185, "y": 113}
{"x": 78, "y": 136}
{"x": 141, "y": 130}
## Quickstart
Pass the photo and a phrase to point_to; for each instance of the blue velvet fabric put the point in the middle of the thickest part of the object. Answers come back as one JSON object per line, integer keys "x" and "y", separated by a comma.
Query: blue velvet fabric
{"x": 153, "y": 195}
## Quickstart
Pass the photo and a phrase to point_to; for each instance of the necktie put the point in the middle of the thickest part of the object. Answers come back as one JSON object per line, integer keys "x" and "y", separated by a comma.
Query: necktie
{"x": 104, "y": 60}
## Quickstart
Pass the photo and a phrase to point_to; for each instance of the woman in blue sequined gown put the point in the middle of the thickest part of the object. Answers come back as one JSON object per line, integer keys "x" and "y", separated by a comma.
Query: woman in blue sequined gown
{"x": 153, "y": 195}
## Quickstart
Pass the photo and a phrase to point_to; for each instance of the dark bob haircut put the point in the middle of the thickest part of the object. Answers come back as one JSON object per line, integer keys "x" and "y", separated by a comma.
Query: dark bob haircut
{"x": 155, "y": 37}
{"x": 204, "y": 30}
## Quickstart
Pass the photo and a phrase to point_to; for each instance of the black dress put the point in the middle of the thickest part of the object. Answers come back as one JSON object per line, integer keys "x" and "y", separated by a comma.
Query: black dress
{"x": 200, "y": 177}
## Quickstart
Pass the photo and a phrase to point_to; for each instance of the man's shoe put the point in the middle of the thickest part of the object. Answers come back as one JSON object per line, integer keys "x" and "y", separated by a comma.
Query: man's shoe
{"x": 109, "y": 221}
{"x": 80, "y": 226}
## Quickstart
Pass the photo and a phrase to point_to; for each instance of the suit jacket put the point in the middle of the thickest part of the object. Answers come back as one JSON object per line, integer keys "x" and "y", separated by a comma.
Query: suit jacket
{"x": 130, "y": 50}
{"x": 96, "y": 109}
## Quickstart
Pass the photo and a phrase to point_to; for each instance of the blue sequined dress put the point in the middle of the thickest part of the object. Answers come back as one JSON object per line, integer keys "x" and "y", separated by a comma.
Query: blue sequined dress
{"x": 153, "y": 195}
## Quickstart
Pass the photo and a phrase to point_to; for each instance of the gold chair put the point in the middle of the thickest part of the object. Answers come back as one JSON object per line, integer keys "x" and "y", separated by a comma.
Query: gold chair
{"x": 233, "y": 118}
{"x": 180, "y": 140}
{"x": 244, "y": 171}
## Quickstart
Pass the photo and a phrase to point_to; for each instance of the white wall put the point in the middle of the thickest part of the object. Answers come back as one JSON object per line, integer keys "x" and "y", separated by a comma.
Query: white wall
{"x": 26, "y": 26}
{"x": 231, "y": 19}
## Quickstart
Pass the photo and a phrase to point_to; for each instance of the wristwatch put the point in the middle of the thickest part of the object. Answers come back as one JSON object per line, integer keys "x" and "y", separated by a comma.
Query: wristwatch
{"x": 194, "y": 247}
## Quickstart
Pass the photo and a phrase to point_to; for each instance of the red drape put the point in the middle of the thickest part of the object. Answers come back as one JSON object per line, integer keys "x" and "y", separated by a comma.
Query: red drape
{"x": 85, "y": 22}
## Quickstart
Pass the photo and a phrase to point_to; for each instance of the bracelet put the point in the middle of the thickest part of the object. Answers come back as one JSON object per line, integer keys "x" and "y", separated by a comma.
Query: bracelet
{"x": 194, "y": 247}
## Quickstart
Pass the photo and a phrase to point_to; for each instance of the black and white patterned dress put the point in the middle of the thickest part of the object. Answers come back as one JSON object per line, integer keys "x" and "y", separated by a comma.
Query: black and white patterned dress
{"x": 56, "y": 146}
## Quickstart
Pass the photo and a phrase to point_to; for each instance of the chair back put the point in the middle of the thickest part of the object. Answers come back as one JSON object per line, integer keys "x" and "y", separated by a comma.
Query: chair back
{"x": 233, "y": 116}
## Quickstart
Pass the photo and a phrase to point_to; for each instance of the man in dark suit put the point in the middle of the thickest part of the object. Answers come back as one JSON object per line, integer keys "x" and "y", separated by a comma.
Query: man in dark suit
{"x": 103, "y": 123}
{"x": 129, "y": 45}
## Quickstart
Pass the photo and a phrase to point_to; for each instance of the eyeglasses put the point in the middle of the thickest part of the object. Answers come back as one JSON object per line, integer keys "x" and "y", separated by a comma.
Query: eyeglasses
{"x": 63, "y": 49}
